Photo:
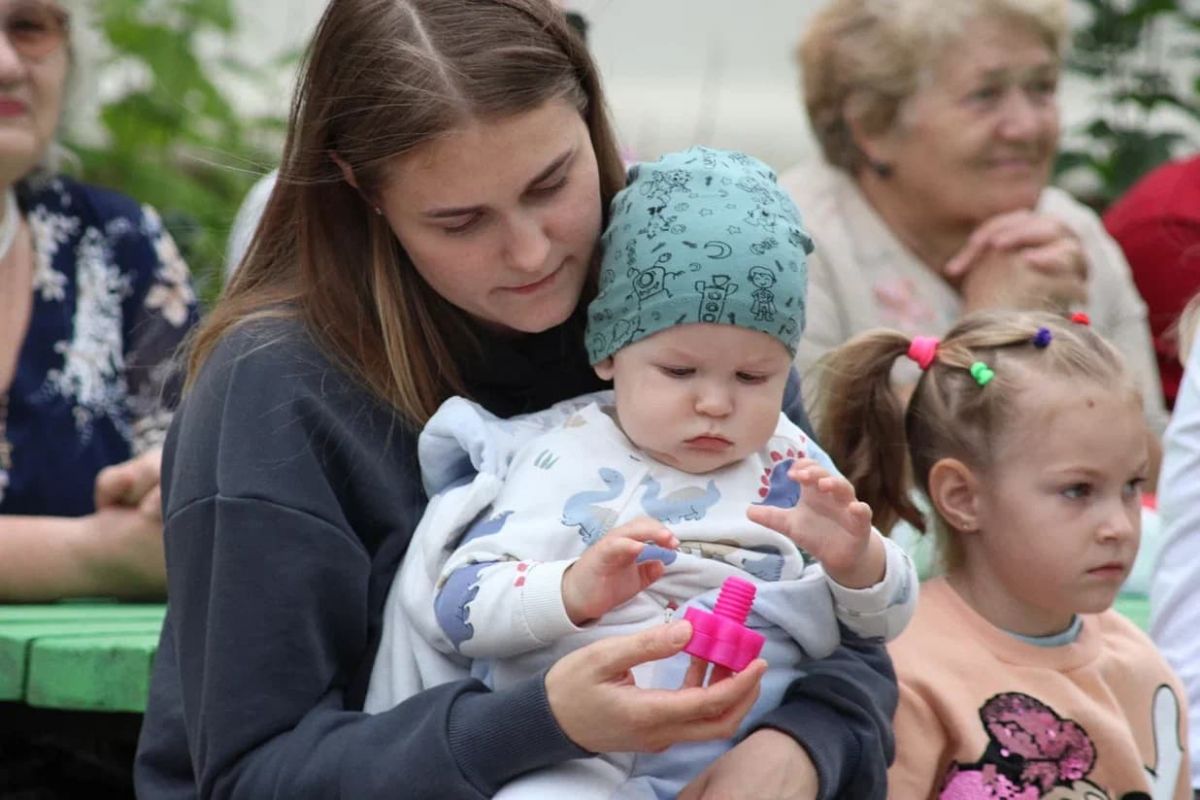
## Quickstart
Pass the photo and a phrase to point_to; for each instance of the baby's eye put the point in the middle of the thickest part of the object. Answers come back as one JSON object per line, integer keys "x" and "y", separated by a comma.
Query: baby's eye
{"x": 751, "y": 378}
{"x": 678, "y": 372}
{"x": 1077, "y": 491}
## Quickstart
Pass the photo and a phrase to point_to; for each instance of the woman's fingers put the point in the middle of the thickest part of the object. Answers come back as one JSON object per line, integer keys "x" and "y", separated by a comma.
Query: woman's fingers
{"x": 113, "y": 485}
{"x": 696, "y": 671}
{"x": 129, "y": 482}
{"x": 595, "y": 701}
{"x": 710, "y": 712}
{"x": 980, "y": 240}
{"x": 624, "y": 652}
{"x": 1054, "y": 279}
{"x": 1016, "y": 230}
{"x": 1062, "y": 256}
{"x": 151, "y": 505}
{"x": 719, "y": 673}
{"x": 1033, "y": 230}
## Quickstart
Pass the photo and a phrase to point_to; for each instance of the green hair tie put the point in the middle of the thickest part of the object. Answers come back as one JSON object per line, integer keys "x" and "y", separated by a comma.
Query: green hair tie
{"x": 982, "y": 373}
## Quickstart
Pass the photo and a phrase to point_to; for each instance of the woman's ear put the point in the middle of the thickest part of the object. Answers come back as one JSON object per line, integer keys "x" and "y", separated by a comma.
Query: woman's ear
{"x": 876, "y": 146}
{"x": 347, "y": 173}
{"x": 954, "y": 491}
{"x": 604, "y": 369}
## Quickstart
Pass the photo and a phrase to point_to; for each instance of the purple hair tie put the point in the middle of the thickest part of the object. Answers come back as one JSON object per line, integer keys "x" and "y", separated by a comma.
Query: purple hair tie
{"x": 1042, "y": 338}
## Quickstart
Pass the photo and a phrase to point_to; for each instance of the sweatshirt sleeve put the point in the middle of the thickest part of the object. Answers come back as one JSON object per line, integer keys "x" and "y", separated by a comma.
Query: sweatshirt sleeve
{"x": 512, "y": 606}
{"x": 274, "y": 479}
{"x": 880, "y": 612}
{"x": 920, "y": 748}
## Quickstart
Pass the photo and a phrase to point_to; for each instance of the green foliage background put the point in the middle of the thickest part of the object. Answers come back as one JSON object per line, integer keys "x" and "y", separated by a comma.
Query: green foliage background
{"x": 176, "y": 141}
{"x": 1131, "y": 49}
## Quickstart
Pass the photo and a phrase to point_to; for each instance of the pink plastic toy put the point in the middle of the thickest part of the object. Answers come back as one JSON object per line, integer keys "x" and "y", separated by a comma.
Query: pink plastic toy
{"x": 721, "y": 637}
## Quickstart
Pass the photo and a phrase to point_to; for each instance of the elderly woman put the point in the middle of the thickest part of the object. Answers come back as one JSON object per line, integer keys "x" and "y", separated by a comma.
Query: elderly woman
{"x": 939, "y": 124}
{"x": 94, "y": 299}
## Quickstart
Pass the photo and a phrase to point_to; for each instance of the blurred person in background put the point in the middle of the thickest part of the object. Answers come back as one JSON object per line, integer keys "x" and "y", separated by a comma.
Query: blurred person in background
{"x": 1157, "y": 224}
{"x": 94, "y": 299}
{"x": 939, "y": 124}
{"x": 1174, "y": 603}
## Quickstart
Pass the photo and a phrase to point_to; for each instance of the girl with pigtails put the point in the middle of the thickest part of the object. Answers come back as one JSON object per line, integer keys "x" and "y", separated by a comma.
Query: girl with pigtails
{"x": 1025, "y": 435}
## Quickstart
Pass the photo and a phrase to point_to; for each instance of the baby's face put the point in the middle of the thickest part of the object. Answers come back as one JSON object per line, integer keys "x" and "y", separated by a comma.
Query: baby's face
{"x": 698, "y": 396}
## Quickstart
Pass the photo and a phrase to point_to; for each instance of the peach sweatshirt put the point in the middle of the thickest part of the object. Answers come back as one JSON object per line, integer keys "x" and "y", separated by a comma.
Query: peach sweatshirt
{"x": 983, "y": 714}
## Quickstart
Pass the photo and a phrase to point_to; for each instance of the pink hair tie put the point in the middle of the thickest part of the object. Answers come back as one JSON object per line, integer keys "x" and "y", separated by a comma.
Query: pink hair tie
{"x": 922, "y": 350}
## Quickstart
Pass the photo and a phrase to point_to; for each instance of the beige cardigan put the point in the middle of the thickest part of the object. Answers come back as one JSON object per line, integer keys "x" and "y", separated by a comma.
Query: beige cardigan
{"x": 862, "y": 277}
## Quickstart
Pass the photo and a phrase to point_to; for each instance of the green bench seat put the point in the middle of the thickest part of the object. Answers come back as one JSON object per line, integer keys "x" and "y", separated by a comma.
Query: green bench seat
{"x": 79, "y": 656}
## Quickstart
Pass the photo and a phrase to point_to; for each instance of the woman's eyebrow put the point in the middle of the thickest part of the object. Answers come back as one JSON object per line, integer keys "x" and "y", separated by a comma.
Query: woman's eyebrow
{"x": 555, "y": 165}
{"x": 1045, "y": 68}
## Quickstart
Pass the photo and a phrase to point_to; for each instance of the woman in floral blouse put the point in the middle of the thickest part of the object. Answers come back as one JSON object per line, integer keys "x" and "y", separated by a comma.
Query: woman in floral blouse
{"x": 94, "y": 299}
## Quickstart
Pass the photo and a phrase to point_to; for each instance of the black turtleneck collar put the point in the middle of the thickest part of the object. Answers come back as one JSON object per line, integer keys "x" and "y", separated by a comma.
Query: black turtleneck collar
{"x": 529, "y": 372}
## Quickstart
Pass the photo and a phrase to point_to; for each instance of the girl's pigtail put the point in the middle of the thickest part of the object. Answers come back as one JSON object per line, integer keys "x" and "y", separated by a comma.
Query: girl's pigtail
{"x": 860, "y": 423}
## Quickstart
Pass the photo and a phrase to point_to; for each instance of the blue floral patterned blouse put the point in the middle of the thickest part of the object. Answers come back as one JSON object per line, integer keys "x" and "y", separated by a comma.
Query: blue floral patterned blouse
{"x": 95, "y": 377}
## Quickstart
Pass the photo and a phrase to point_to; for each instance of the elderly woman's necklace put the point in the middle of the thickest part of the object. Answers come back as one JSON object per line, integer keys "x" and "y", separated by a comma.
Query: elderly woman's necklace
{"x": 8, "y": 235}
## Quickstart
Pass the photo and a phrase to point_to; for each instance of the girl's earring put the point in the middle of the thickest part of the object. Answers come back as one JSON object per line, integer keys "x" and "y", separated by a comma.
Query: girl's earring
{"x": 378, "y": 210}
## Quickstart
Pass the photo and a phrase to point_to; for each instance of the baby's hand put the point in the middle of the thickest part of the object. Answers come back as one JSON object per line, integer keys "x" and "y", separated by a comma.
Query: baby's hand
{"x": 614, "y": 569}
{"x": 831, "y": 524}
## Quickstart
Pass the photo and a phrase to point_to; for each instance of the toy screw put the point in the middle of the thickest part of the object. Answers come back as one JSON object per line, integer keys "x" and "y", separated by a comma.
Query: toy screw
{"x": 721, "y": 637}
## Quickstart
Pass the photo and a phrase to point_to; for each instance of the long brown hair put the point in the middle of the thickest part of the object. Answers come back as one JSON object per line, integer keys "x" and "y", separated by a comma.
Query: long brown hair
{"x": 382, "y": 77}
{"x": 885, "y": 447}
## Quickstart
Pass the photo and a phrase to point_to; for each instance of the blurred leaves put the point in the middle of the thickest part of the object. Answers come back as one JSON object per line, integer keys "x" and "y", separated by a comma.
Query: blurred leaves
{"x": 172, "y": 137}
{"x": 1130, "y": 48}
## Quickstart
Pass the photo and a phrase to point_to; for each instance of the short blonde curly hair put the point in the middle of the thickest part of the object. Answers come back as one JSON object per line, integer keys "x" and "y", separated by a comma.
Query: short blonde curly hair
{"x": 862, "y": 59}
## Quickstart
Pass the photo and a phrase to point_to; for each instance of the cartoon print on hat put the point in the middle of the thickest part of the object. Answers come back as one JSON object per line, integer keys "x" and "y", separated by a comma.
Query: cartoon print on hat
{"x": 700, "y": 236}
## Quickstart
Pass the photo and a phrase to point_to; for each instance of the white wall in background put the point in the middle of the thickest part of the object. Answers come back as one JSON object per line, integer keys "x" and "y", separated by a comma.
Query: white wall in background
{"x": 678, "y": 72}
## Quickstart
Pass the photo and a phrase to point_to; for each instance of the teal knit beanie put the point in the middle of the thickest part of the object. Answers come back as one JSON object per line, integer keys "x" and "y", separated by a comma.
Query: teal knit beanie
{"x": 700, "y": 236}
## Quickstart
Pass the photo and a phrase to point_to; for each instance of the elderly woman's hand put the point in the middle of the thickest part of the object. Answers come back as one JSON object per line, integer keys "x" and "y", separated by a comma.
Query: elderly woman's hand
{"x": 133, "y": 483}
{"x": 599, "y": 707}
{"x": 120, "y": 553}
{"x": 121, "y": 545}
{"x": 1021, "y": 259}
{"x": 767, "y": 765}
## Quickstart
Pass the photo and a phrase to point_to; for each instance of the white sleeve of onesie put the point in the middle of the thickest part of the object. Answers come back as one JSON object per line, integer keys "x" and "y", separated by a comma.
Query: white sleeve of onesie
{"x": 880, "y": 612}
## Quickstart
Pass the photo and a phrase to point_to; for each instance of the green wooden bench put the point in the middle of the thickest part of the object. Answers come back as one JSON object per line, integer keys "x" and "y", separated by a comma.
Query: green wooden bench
{"x": 79, "y": 656}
